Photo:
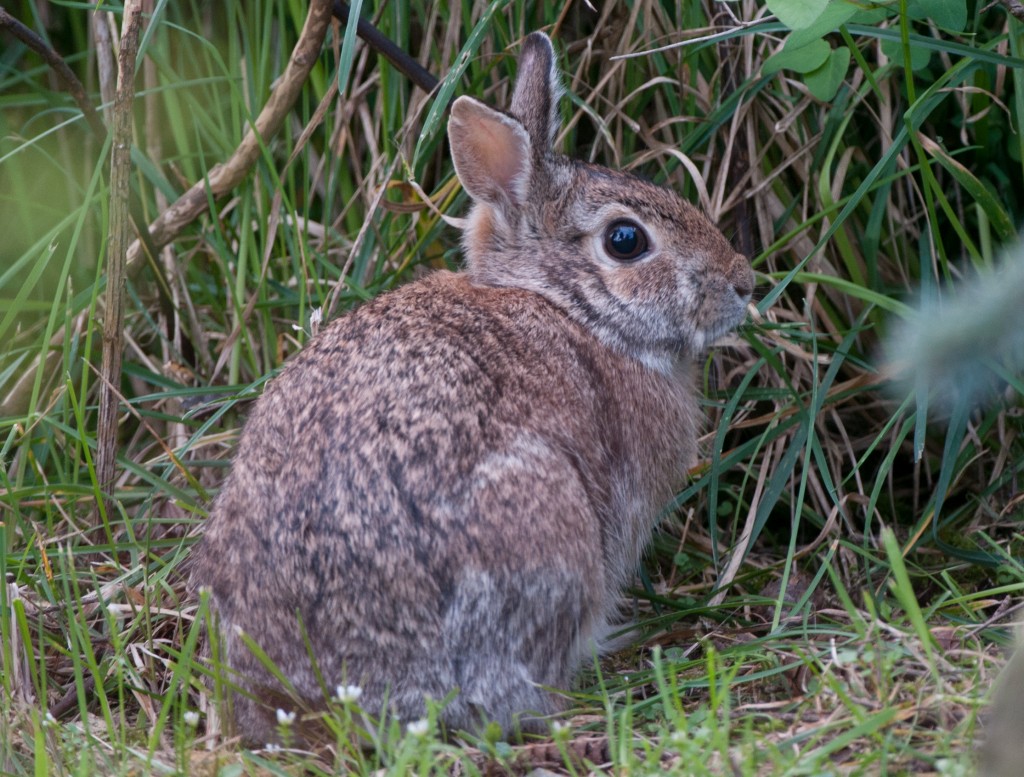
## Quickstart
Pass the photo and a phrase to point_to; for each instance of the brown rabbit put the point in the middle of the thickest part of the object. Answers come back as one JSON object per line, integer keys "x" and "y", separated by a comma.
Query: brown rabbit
{"x": 443, "y": 494}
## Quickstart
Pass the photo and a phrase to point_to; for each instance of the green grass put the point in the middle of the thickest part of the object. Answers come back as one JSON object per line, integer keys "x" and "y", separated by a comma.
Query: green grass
{"x": 831, "y": 591}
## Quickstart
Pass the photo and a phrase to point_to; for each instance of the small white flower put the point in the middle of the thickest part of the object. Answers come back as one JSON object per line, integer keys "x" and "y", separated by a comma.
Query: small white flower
{"x": 702, "y": 734}
{"x": 285, "y": 718}
{"x": 48, "y": 720}
{"x": 348, "y": 694}
{"x": 272, "y": 747}
{"x": 191, "y": 718}
{"x": 947, "y": 766}
{"x": 419, "y": 728}
{"x": 559, "y": 729}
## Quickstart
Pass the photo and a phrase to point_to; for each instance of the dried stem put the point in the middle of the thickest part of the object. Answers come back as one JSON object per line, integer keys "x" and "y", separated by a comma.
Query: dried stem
{"x": 106, "y": 68}
{"x": 120, "y": 233}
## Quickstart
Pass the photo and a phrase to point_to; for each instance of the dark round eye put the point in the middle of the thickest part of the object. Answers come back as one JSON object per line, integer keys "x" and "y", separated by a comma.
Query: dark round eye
{"x": 625, "y": 240}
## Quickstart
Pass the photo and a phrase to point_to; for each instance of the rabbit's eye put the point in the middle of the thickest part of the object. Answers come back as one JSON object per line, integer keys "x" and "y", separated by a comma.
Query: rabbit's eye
{"x": 625, "y": 240}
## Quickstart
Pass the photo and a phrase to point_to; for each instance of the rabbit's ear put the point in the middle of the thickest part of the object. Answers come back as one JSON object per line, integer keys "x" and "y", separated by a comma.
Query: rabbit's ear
{"x": 491, "y": 152}
{"x": 537, "y": 91}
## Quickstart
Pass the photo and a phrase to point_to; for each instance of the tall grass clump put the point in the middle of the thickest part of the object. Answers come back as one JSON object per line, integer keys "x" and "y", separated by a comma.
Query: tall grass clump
{"x": 834, "y": 586}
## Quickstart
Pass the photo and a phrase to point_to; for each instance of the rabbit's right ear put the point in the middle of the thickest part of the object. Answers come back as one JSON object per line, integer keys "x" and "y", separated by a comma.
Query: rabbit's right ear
{"x": 491, "y": 152}
{"x": 537, "y": 92}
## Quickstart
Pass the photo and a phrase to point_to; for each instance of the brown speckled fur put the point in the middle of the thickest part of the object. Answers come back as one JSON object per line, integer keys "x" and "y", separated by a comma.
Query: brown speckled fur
{"x": 449, "y": 486}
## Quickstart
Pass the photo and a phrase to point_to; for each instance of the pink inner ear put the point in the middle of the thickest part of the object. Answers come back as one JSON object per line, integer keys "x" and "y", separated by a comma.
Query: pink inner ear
{"x": 491, "y": 153}
{"x": 499, "y": 151}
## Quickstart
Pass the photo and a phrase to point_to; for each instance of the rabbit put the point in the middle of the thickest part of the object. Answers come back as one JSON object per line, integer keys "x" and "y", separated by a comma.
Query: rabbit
{"x": 442, "y": 496}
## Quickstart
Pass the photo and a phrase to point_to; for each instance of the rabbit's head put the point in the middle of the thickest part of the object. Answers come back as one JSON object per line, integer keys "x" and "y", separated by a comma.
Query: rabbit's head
{"x": 637, "y": 265}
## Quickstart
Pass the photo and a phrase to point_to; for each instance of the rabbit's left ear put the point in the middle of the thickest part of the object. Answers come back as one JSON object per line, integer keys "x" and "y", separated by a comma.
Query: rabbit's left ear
{"x": 494, "y": 152}
{"x": 537, "y": 92}
{"x": 491, "y": 152}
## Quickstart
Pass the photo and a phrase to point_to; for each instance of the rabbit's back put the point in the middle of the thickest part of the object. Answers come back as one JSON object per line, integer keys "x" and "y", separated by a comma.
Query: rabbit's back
{"x": 443, "y": 490}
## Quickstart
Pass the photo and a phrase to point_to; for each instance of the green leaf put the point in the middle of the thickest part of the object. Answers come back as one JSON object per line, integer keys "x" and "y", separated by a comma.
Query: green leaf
{"x": 997, "y": 215}
{"x": 826, "y": 80}
{"x": 938, "y": 44}
{"x": 797, "y": 14}
{"x": 872, "y": 15}
{"x": 803, "y": 59}
{"x": 948, "y": 14}
{"x": 835, "y": 15}
{"x": 904, "y": 590}
{"x": 893, "y": 49}
{"x": 348, "y": 46}
{"x": 883, "y": 301}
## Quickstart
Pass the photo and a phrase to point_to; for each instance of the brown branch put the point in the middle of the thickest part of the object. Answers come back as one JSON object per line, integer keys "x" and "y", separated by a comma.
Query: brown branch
{"x": 1014, "y": 7}
{"x": 58, "y": 65}
{"x": 69, "y": 700}
{"x": 383, "y": 45}
{"x": 120, "y": 233}
{"x": 224, "y": 177}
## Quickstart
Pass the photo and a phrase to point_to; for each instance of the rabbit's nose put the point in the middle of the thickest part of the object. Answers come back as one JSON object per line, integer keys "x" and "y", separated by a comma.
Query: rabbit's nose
{"x": 741, "y": 276}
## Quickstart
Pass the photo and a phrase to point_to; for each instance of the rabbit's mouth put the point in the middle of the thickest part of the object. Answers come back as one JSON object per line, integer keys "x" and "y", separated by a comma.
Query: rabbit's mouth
{"x": 726, "y": 337}
{"x": 721, "y": 326}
